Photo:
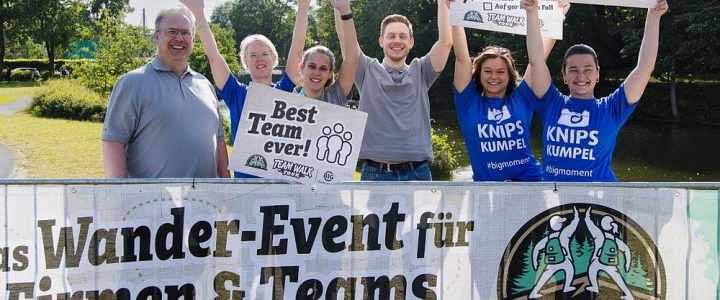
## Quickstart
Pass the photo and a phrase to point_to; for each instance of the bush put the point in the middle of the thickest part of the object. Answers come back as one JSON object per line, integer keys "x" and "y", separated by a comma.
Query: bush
{"x": 21, "y": 75}
{"x": 66, "y": 99}
{"x": 445, "y": 163}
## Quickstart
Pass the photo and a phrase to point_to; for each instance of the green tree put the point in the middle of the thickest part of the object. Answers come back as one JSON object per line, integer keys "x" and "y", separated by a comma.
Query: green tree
{"x": 120, "y": 48}
{"x": 226, "y": 45}
{"x": 54, "y": 23}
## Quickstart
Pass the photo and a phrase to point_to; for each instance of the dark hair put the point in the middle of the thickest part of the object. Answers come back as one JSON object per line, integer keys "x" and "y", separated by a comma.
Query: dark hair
{"x": 493, "y": 52}
{"x": 580, "y": 49}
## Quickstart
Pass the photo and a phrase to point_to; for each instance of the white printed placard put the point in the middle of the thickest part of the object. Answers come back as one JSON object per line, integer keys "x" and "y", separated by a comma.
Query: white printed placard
{"x": 506, "y": 16}
{"x": 287, "y": 136}
{"x": 625, "y": 3}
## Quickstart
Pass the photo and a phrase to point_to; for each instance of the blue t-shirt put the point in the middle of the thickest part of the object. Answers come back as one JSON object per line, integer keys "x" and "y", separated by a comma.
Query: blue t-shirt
{"x": 234, "y": 94}
{"x": 579, "y": 135}
{"x": 497, "y": 133}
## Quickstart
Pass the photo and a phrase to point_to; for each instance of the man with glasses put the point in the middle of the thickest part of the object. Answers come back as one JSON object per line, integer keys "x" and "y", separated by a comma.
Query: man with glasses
{"x": 162, "y": 120}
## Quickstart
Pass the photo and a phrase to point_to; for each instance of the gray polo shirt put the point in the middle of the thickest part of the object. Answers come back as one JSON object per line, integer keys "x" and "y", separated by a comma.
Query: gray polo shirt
{"x": 169, "y": 123}
{"x": 331, "y": 94}
{"x": 398, "y": 107}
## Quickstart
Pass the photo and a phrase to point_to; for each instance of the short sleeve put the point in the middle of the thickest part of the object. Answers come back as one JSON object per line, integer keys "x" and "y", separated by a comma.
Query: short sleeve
{"x": 464, "y": 98}
{"x": 428, "y": 74}
{"x": 363, "y": 63}
{"x": 619, "y": 106}
{"x": 285, "y": 83}
{"x": 121, "y": 118}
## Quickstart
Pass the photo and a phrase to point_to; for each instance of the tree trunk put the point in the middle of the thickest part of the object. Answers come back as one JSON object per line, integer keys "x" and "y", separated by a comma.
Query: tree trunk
{"x": 51, "y": 57}
{"x": 673, "y": 97}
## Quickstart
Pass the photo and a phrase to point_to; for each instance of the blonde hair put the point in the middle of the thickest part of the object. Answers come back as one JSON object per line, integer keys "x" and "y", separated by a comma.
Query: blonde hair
{"x": 257, "y": 38}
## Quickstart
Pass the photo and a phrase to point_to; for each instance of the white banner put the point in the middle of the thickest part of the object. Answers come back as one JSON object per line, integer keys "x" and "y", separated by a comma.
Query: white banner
{"x": 506, "y": 16}
{"x": 357, "y": 241}
{"x": 286, "y": 136}
{"x": 625, "y": 3}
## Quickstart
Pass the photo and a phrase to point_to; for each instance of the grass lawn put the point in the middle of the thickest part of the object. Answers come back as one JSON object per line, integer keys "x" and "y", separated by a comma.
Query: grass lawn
{"x": 13, "y": 90}
{"x": 54, "y": 148}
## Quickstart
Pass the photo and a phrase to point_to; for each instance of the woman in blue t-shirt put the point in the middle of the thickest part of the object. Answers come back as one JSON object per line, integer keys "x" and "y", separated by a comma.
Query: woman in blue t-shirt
{"x": 495, "y": 111}
{"x": 257, "y": 55}
{"x": 579, "y": 131}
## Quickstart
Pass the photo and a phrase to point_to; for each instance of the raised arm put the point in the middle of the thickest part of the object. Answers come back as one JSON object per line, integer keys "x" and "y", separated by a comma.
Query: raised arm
{"x": 540, "y": 80}
{"x": 441, "y": 49}
{"x": 463, "y": 64}
{"x": 348, "y": 44}
{"x": 547, "y": 43}
{"x": 292, "y": 65}
{"x": 218, "y": 66}
{"x": 114, "y": 160}
{"x": 638, "y": 79}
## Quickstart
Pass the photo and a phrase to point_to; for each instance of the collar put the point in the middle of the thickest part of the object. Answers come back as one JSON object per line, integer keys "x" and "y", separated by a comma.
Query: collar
{"x": 393, "y": 70}
{"x": 158, "y": 65}
{"x": 298, "y": 90}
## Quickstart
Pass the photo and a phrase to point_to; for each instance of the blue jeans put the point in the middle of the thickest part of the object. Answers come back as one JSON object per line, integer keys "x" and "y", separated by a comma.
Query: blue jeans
{"x": 419, "y": 173}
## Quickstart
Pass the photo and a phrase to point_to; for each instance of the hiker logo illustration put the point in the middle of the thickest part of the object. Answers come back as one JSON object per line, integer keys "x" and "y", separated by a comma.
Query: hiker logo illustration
{"x": 581, "y": 251}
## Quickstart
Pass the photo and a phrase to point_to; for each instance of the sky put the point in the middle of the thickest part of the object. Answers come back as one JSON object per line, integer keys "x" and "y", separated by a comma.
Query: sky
{"x": 153, "y": 7}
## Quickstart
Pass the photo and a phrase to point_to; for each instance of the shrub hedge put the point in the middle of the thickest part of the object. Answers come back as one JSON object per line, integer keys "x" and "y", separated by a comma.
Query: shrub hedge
{"x": 65, "y": 99}
{"x": 445, "y": 163}
{"x": 21, "y": 75}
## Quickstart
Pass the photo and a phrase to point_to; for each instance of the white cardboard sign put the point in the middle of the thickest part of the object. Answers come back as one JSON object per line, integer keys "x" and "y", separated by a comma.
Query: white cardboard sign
{"x": 625, "y": 3}
{"x": 506, "y": 16}
{"x": 287, "y": 136}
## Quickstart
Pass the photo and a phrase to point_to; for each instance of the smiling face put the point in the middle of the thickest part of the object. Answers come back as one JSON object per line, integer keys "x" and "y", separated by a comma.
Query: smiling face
{"x": 581, "y": 73}
{"x": 174, "y": 41}
{"x": 494, "y": 77}
{"x": 259, "y": 59}
{"x": 317, "y": 72}
{"x": 396, "y": 41}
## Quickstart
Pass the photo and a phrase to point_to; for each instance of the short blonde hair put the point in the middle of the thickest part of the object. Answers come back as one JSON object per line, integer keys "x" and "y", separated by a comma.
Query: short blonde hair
{"x": 257, "y": 38}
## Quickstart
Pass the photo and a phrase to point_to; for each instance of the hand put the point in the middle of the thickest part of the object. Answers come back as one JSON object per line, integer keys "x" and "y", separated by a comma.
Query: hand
{"x": 660, "y": 8}
{"x": 529, "y": 5}
{"x": 194, "y": 5}
{"x": 565, "y": 7}
{"x": 343, "y": 6}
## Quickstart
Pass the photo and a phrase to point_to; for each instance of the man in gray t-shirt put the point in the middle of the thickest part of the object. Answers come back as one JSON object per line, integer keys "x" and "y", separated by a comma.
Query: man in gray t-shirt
{"x": 397, "y": 144}
{"x": 162, "y": 119}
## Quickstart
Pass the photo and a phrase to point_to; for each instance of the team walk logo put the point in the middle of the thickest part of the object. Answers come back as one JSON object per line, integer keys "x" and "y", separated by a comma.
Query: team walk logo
{"x": 581, "y": 251}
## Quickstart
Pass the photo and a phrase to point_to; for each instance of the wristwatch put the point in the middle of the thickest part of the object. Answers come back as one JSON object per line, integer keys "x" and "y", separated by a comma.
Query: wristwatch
{"x": 346, "y": 17}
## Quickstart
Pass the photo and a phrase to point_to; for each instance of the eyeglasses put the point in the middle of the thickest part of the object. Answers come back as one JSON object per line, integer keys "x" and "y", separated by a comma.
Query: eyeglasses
{"x": 497, "y": 50}
{"x": 256, "y": 56}
{"x": 172, "y": 33}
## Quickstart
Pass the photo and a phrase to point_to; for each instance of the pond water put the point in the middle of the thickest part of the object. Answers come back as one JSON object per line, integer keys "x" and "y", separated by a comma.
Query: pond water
{"x": 644, "y": 151}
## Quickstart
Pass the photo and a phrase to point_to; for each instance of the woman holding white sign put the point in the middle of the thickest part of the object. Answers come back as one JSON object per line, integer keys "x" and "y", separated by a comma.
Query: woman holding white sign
{"x": 580, "y": 131}
{"x": 318, "y": 76}
{"x": 494, "y": 109}
{"x": 258, "y": 55}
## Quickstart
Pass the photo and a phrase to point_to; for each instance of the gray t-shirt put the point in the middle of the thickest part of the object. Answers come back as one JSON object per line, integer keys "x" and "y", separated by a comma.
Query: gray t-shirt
{"x": 169, "y": 123}
{"x": 332, "y": 94}
{"x": 398, "y": 107}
